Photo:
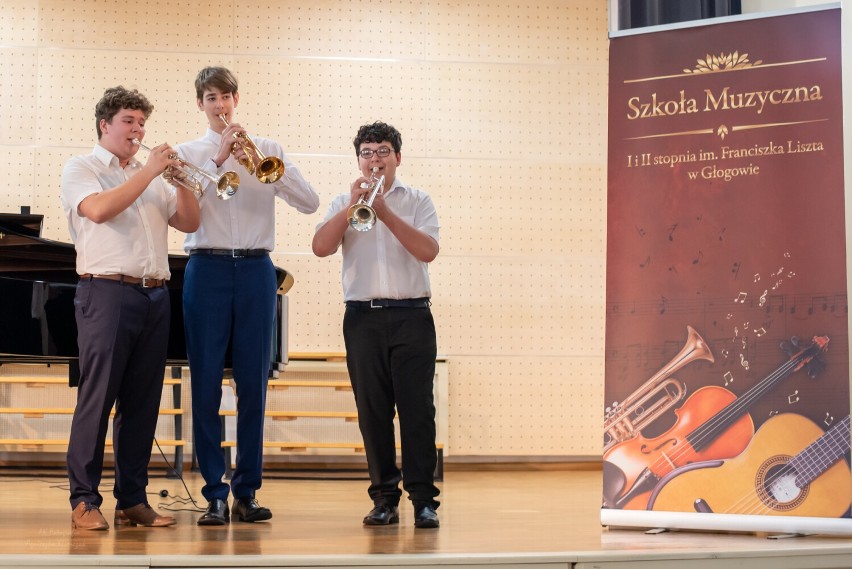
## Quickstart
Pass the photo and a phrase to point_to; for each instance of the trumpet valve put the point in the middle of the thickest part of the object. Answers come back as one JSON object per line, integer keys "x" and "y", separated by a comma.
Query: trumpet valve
{"x": 246, "y": 160}
{"x": 247, "y": 163}
{"x": 179, "y": 178}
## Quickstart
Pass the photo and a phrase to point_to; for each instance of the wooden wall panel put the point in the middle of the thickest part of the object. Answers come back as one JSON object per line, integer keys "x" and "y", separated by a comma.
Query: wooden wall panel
{"x": 501, "y": 106}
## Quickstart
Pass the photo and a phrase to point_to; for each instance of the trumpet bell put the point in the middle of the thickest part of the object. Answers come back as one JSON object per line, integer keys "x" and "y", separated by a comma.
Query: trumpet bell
{"x": 624, "y": 421}
{"x": 270, "y": 170}
{"x": 228, "y": 185}
{"x": 361, "y": 217}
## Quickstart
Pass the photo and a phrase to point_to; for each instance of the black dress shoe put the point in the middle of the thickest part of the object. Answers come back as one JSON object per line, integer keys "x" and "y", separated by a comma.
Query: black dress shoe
{"x": 248, "y": 510}
{"x": 217, "y": 513}
{"x": 426, "y": 517}
{"x": 382, "y": 515}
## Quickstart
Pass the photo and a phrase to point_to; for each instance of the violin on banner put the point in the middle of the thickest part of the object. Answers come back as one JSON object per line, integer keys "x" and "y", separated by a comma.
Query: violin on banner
{"x": 712, "y": 424}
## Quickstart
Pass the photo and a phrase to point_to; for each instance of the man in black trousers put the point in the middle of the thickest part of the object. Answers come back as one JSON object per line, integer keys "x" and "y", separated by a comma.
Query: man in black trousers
{"x": 388, "y": 326}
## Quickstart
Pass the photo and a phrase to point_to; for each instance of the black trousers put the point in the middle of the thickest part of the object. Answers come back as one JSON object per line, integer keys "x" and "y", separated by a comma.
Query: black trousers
{"x": 122, "y": 333}
{"x": 390, "y": 354}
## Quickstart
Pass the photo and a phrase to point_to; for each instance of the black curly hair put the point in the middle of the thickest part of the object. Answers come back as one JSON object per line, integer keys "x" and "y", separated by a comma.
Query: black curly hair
{"x": 378, "y": 132}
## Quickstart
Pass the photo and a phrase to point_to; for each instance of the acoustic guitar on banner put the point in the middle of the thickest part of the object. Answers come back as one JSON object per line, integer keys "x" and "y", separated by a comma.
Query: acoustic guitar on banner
{"x": 779, "y": 474}
{"x": 712, "y": 424}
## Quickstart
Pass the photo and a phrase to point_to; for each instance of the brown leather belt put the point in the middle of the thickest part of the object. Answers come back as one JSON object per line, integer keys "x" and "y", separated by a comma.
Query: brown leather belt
{"x": 144, "y": 282}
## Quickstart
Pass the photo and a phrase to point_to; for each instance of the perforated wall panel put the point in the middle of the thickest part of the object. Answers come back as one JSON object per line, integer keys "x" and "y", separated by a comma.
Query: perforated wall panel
{"x": 502, "y": 109}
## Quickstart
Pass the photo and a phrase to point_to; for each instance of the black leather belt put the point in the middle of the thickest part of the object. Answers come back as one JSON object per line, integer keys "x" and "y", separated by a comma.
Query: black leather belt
{"x": 390, "y": 303}
{"x": 231, "y": 252}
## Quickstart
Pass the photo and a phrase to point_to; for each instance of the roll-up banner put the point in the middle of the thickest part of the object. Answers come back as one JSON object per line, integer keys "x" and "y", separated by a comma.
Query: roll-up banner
{"x": 727, "y": 362}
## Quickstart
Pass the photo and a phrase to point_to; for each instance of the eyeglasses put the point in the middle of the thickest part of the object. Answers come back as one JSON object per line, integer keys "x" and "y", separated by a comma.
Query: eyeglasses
{"x": 367, "y": 153}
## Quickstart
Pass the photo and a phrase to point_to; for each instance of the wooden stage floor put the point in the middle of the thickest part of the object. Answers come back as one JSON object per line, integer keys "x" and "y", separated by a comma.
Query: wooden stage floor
{"x": 508, "y": 519}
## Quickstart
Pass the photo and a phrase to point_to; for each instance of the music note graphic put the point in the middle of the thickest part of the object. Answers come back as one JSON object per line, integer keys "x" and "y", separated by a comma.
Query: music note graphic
{"x": 729, "y": 378}
{"x": 646, "y": 263}
{"x": 671, "y": 231}
{"x": 698, "y": 258}
{"x": 793, "y": 397}
{"x": 741, "y": 297}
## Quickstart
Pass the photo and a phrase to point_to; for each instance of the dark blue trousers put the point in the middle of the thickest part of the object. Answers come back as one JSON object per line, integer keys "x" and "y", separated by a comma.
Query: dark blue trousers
{"x": 122, "y": 333}
{"x": 390, "y": 354}
{"x": 226, "y": 298}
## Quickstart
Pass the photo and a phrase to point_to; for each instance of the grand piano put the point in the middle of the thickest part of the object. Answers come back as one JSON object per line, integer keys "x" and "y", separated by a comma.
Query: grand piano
{"x": 38, "y": 279}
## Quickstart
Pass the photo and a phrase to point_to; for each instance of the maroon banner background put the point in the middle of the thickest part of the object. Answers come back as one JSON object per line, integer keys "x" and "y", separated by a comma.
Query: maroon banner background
{"x": 726, "y": 214}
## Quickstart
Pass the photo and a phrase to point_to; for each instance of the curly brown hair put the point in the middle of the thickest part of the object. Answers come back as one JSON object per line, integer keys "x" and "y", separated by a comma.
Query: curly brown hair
{"x": 117, "y": 98}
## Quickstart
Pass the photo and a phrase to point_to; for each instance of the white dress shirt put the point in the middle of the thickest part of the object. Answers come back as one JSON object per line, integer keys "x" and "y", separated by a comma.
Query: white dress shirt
{"x": 134, "y": 242}
{"x": 247, "y": 220}
{"x": 375, "y": 264}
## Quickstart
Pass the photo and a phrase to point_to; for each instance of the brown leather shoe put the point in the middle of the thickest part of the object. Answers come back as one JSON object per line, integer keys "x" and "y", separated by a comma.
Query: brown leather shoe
{"x": 142, "y": 515}
{"x": 87, "y": 516}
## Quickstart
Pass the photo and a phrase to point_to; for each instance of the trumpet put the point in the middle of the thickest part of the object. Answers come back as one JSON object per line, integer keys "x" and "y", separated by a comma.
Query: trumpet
{"x": 361, "y": 215}
{"x": 189, "y": 176}
{"x": 624, "y": 420}
{"x": 268, "y": 170}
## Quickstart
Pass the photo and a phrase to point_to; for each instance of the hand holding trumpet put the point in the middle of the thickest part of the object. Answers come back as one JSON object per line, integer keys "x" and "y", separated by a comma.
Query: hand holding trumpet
{"x": 179, "y": 172}
{"x": 367, "y": 204}
{"x": 160, "y": 158}
{"x": 163, "y": 160}
{"x": 267, "y": 169}
{"x": 230, "y": 144}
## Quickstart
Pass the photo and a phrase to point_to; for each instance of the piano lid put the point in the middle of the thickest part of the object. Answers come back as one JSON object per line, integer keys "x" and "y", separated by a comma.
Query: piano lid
{"x": 22, "y": 223}
{"x": 38, "y": 280}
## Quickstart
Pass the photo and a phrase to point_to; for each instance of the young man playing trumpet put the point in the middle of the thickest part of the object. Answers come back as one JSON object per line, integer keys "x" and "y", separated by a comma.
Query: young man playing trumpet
{"x": 229, "y": 293}
{"x": 388, "y": 327}
{"x": 118, "y": 213}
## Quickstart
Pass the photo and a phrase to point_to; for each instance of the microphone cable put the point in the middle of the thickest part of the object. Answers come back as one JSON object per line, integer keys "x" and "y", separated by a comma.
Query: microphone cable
{"x": 179, "y": 503}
